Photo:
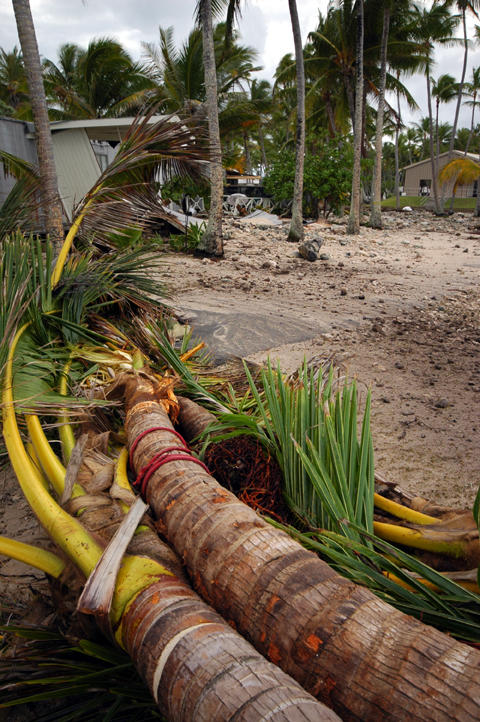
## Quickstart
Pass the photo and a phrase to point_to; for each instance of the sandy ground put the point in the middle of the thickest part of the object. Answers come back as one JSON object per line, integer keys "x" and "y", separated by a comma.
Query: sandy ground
{"x": 398, "y": 308}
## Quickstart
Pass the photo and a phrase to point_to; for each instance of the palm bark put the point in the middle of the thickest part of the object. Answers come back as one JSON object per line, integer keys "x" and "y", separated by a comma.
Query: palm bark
{"x": 397, "y": 154}
{"x": 436, "y": 198}
{"x": 354, "y": 217}
{"x": 51, "y": 203}
{"x": 197, "y": 667}
{"x": 376, "y": 213}
{"x": 212, "y": 241}
{"x": 339, "y": 641}
{"x": 295, "y": 233}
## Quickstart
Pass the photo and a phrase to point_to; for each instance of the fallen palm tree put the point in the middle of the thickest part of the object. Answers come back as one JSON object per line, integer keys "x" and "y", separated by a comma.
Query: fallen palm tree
{"x": 337, "y": 639}
{"x": 195, "y": 665}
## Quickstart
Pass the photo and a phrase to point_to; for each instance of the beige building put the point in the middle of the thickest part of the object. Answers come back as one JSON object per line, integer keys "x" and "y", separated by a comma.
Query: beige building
{"x": 418, "y": 177}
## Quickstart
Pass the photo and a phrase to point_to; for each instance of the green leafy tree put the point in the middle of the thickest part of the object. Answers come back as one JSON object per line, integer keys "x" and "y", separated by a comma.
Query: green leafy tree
{"x": 327, "y": 176}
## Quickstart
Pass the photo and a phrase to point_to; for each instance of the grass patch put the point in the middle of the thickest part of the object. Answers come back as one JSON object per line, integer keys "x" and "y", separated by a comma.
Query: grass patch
{"x": 459, "y": 204}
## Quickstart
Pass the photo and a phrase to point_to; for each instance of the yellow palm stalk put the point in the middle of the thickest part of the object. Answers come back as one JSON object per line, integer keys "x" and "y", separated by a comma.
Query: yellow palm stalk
{"x": 402, "y": 512}
{"x": 33, "y": 556}
{"x": 442, "y": 542}
{"x": 67, "y": 436}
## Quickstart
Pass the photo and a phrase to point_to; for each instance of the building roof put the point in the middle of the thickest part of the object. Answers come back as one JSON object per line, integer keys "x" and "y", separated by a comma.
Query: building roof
{"x": 456, "y": 153}
{"x": 113, "y": 129}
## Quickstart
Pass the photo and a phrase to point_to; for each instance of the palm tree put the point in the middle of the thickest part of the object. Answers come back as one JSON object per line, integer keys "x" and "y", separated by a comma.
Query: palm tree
{"x": 376, "y": 212}
{"x": 212, "y": 240}
{"x": 428, "y": 27}
{"x": 289, "y": 603}
{"x": 295, "y": 233}
{"x": 51, "y": 203}
{"x": 13, "y": 85}
{"x": 354, "y": 217}
{"x": 462, "y": 6}
{"x": 471, "y": 90}
{"x": 101, "y": 81}
{"x": 443, "y": 90}
{"x": 463, "y": 171}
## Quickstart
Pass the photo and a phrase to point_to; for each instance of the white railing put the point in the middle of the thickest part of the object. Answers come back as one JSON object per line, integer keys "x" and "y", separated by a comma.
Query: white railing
{"x": 235, "y": 201}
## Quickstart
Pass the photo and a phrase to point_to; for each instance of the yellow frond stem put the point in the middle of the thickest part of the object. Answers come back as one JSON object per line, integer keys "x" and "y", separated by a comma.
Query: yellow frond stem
{"x": 67, "y": 244}
{"x": 469, "y": 586}
{"x": 67, "y": 437}
{"x": 402, "y": 512}
{"x": 50, "y": 462}
{"x": 34, "y": 458}
{"x": 121, "y": 479}
{"x": 188, "y": 354}
{"x": 435, "y": 542}
{"x": 33, "y": 556}
{"x": 65, "y": 531}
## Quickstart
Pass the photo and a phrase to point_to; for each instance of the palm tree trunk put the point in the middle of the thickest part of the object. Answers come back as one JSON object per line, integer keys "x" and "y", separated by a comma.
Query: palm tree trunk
{"x": 51, "y": 203}
{"x": 459, "y": 96}
{"x": 339, "y": 641}
{"x": 171, "y": 634}
{"x": 199, "y": 669}
{"x": 212, "y": 240}
{"x": 261, "y": 141}
{"x": 246, "y": 149}
{"x": 472, "y": 123}
{"x": 376, "y": 214}
{"x": 295, "y": 233}
{"x": 460, "y": 86}
{"x": 397, "y": 159}
{"x": 354, "y": 217}
{"x": 436, "y": 198}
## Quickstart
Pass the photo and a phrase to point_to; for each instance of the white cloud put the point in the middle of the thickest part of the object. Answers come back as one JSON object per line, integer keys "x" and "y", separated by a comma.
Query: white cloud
{"x": 265, "y": 25}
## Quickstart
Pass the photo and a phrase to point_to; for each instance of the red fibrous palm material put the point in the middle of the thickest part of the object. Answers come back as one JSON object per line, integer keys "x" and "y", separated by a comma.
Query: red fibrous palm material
{"x": 243, "y": 466}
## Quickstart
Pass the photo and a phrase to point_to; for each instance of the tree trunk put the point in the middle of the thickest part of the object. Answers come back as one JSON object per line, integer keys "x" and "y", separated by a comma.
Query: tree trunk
{"x": 246, "y": 149}
{"x": 459, "y": 98}
{"x": 376, "y": 214}
{"x": 354, "y": 217}
{"x": 397, "y": 159}
{"x": 51, "y": 203}
{"x": 261, "y": 141}
{"x": 436, "y": 199}
{"x": 461, "y": 84}
{"x": 212, "y": 240}
{"x": 197, "y": 668}
{"x": 340, "y": 642}
{"x": 472, "y": 123}
{"x": 295, "y": 233}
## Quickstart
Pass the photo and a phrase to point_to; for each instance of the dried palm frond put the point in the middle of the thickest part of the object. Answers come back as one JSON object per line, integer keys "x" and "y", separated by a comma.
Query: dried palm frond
{"x": 463, "y": 170}
{"x": 127, "y": 193}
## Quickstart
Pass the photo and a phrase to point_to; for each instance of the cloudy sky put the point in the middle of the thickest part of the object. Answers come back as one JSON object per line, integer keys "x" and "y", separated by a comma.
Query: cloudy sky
{"x": 265, "y": 25}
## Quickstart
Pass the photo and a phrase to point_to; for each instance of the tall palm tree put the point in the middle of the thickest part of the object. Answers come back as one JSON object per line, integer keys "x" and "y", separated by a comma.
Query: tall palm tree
{"x": 51, "y": 203}
{"x": 463, "y": 6}
{"x": 353, "y": 225}
{"x": 100, "y": 81}
{"x": 13, "y": 85}
{"x": 471, "y": 90}
{"x": 430, "y": 26}
{"x": 444, "y": 89}
{"x": 376, "y": 212}
{"x": 295, "y": 233}
{"x": 212, "y": 240}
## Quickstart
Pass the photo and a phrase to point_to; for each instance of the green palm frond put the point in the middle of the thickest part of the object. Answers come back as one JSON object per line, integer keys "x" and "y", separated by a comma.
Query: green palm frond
{"x": 21, "y": 207}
